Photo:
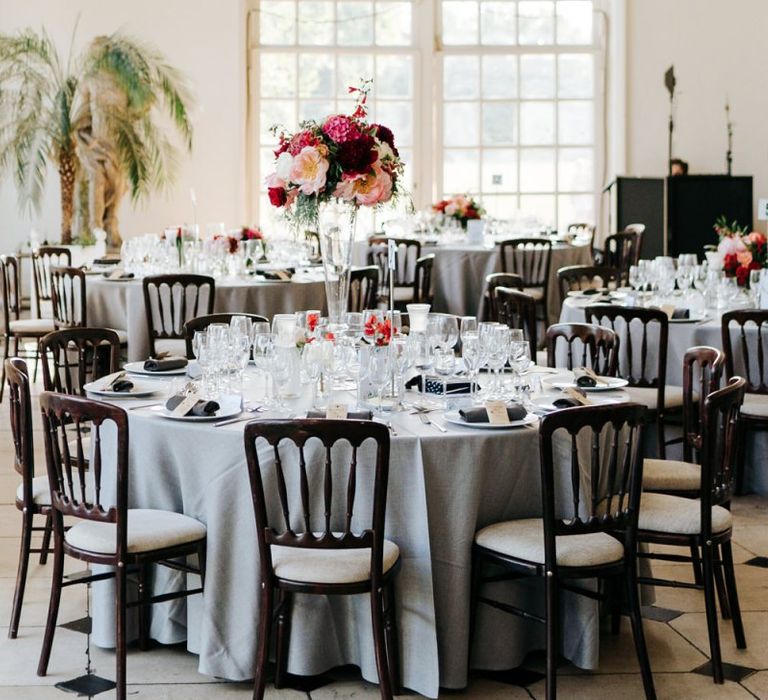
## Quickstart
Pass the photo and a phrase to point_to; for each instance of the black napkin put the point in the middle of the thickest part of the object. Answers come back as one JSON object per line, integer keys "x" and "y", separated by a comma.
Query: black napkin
{"x": 680, "y": 314}
{"x": 201, "y": 408}
{"x": 434, "y": 385}
{"x": 120, "y": 383}
{"x": 106, "y": 261}
{"x": 163, "y": 364}
{"x": 566, "y": 403}
{"x": 480, "y": 415}
{"x": 279, "y": 274}
{"x": 122, "y": 276}
{"x": 351, "y": 415}
{"x": 591, "y": 290}
{"x": 583, "y": 379}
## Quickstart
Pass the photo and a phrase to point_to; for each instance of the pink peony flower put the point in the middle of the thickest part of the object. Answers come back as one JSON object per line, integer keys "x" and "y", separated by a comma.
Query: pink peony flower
{"x": 341, "y": 128}
{"x": 309, "y": 171}
{"x": 731, "y": 245}
{"x": 366, "y": 190}
{"x": 284, "y": 165}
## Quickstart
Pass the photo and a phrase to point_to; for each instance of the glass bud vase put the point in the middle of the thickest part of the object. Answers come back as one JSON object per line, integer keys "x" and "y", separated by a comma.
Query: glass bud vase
{"x": 336, "y": 240}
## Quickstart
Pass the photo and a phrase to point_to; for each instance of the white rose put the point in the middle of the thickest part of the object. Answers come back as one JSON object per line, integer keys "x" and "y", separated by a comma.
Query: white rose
{"x": 385, "y": 152}
{"x": 284, "y": 166}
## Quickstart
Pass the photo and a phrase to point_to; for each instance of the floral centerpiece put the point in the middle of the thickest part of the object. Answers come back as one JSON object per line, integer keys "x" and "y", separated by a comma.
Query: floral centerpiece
{"x": 742, "y": 251}
{"x": 378, "y": 331}
{"x": 461, "y": 207}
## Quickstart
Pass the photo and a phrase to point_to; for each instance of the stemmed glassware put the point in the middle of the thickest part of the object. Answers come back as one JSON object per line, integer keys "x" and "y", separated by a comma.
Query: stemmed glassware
{"x": 497, "y": 349}
{"x": 379, "y": 373}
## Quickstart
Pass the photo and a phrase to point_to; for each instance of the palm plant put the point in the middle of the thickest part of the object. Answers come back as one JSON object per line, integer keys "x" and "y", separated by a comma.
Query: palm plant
{"x": 110, "y": 99}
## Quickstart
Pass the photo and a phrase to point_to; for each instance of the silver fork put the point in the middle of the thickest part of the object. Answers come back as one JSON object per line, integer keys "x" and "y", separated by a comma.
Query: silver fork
{"x": 425, "y": 419}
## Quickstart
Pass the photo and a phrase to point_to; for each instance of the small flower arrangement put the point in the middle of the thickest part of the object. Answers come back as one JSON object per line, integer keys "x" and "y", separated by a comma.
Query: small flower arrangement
{"x": 341, "y": 159}
{"x": 742, "y": 250}
{"x": 461, "y": 207}
{"x": 378, "y": 331}
{"x": 250, "y": 233}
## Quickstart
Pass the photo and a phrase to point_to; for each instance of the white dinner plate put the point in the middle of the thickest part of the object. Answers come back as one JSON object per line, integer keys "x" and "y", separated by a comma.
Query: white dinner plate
{"x": 138, "y": 368}
{"x": 613, "y": 383}
{"x": 139, "y": 389}
{"x": 456, "y": 419}
{"x": 229, "y": 407}
{"x": 693, "y": 318}
{"x": 545, "y": 403}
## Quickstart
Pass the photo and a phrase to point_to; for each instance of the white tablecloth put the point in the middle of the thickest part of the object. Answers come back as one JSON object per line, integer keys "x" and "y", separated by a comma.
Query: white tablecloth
{"x": 442, "y": 488}
{"x": 120, "y": 304}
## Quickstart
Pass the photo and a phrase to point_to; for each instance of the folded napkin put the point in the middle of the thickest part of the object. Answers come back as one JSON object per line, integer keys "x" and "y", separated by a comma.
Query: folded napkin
{"x": 120, "y": 383}
{"x": 583, "y": 379}
{"x": 351, "y": 415}
{"x": 434, "y": 385}
{"x": 278, "y": 274}
{"x": 572, "y": 399}
{"x": 680, "y": 314}
{"x": 566, "y": 403}
{"x": 201, "y": 408}
{"x": 592, "y": 290}
{"x": 119, "y": 275}
{"x": 480, "y": 415}
{"x": 163, "y": 364}
{"x": 106, "y": 261}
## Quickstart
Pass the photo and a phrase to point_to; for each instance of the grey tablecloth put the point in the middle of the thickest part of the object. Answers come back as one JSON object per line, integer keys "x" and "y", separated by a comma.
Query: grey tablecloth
{"x": 120, "y": 304}
{"x": 442, "y": 488}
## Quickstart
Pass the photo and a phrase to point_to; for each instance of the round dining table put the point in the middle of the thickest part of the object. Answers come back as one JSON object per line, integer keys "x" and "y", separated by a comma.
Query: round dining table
{"x": 444, "y": 484}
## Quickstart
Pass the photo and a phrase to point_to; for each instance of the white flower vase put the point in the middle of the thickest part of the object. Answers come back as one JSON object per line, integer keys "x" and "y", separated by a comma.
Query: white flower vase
{"x": 336, "y": 248}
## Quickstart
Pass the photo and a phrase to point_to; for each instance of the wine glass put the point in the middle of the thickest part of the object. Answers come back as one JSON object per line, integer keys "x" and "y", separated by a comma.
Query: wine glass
{"x": 312, "y": 364}
{"x": 519, "y": 361}
{"x": 379, "y": 371}
{"x": 498, "y": 351}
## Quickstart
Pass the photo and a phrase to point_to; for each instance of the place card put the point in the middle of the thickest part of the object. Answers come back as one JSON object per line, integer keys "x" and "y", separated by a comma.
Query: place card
{"x": 185, "y": 406}
{"x": 116, "y": 274}
{"x": 497, "y": 412}
{"x": 668, "y": 309}
{"x": 336, "y": 411}
{"x": 577, "y": 396}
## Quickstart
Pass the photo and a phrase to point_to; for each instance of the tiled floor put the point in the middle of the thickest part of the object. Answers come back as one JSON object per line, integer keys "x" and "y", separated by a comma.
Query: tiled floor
{"x": 677, "y": 647}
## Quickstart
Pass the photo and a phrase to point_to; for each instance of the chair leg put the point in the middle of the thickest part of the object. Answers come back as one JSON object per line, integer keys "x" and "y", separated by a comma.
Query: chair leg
{"x": 733, "y": 596}
{"x": 46, "y": 543}
{"x": 661, "y": 436}
{"x": 696, "y": 563}
{"x": 722, "y": 594}
{"x": 283, "y": 637}
{"x": 393, "y": 643}
{"x": 121, "y": 611}
{"x": 380, "y": 644}
{"x": 262, "y": 642}
{"x": 711, "y": 611}
{"x": 635, "y": 616}
{"x": 553, "y": 638}
{"x": 145, "y": 611}
{"x": 53, "y": 607}
{"x": 21, "y": 576}
{"x": 6, "y": 347}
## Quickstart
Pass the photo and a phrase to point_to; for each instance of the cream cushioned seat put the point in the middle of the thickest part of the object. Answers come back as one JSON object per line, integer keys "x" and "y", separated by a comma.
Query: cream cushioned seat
{"x": 329, "y": 565}
{"x": 755, "y": 405}
{"x": 673, "y": 396}
{"x": 173, "y": 346}
{"x": 403, "y": 293}
{"x": 670, "y": 475}
{"x": 32, "y": 325}
{"x": 661, "y": 512}
{"x": 536, "y": 292}
{"x": 147, "y": 530}
{"x": 524, "y": 539}
{"x": 41, "y": 494}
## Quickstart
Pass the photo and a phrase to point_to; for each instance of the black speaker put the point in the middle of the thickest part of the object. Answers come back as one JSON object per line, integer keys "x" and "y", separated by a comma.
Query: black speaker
{"x": 640, "y": 200}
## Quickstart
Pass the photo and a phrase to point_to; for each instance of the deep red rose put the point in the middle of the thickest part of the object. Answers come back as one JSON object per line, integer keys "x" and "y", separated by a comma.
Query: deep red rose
{"x": 356, "y": 157}
{"x": 384, "y": 133}
{"x": 742, "y": 275}
{"x": 730, "y": 263}
{"x": 277, "y": 196}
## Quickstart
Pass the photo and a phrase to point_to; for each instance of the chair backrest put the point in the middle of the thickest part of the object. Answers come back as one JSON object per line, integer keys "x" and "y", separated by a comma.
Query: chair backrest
{"x": 318, "y": 466}
{"x": 702, "y": 372}
{"x": 578, "y": 277}
{"x": 599, "y": 490}
{"x": 498, "y": 279}
{"x": 200, "y": 323}
{"x": 68, "y": 297}
{"x": 595, "y": 347}
{"x": 21, "y": 425}
{"x": 746, "y": 354}
{"x": 408, "y": 252}
{"x": 719, "y": 447}
{"x": 72, "y": 357}
{"x": 528, "y": 257}
{"x": 422, "y": 282}
{"x": 518, "y": 310}
{"x": 74, "y": 471}
{"x": 363, "y": 288}
{"x": 10, "y": 289}
{"x": 45, "y": 257}
{"x": 172, "y": 300}
{"x": 622, "y": 250}
{"x": 643, "y": 346}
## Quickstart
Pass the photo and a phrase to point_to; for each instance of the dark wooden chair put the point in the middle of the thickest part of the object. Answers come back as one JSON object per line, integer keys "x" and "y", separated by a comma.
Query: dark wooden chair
{"x": 169, "y": 302}
{"x": 423, "y": 292}
{"x": 16, "y": 330}
{"x": 621, "y": 251}
{"x": 408, "y": 252}
{"x": 591, "y": 533}
{"x": 200, "y": 323}
{"x": 105, "y": 533}
{"x": 744, "y": 335}
{"x": 704, "y": 524}
{"x": 73, "y": 357}
{"x": 642, "y": 332}
{"x": 518, "y": 310}
{"x": 586, "y": 232}
{"x": 580, "y": 277}
{"x": 363, "y": 288}
{"x": 497, "y": 279}
{"x": 595, "y": 347}
{"x": 291, "y": 546}
{"x": 45, "y": 257}
{"x": 531, "y": 258}
{"x": 32, "y": 496}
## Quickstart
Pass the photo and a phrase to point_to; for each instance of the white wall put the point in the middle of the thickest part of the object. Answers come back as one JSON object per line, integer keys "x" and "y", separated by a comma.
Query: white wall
{"x": 718, "y": 48}
{"x": 204, "y": 39}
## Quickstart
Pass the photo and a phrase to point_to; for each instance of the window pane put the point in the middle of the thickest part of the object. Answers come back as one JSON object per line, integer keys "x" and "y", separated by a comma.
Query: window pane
{"x": 497, "y": 23}
{"x": 574, "y": 22}
{"x": 315, "y": 109}
{"x": 393, "y": 23}
{"x": 316, "y": 23}
{"x": 537, "y": 170}
{"x": 407, "y": 157}
{"x": 350, "y": 69}
{"x": 536, "y": 22}
{"x": 393, "y": 77}
{"x": 461, "y": 77}
{"x": 267, "y": 165}
{"x": 574, "y": 208}
{"x": 575, "y": 171}
{"x": 278, "y": 75}
{"x": 499, "y": 76}
{"x": 499, "y": 127}
{"x": 277, "y": 23}
{"x": 576, "y": 123}
{"x": 537, "y": 76}
{"x": 500, "y": 170}
{"x": 398, "y": 116}
{"x": 354, "y": 23}
{"x": 542, "y": 207}
{"x": 315, "y": 75}
{"x": 276, "y": 113}
{"x": 460, "y": 124}
{"x": 576, "y": 76}
{"x": 460, "y": 171}
{"x": 500, "y": 206}
{"x": 460, "y": 22}
{"x": 537, "y": 123}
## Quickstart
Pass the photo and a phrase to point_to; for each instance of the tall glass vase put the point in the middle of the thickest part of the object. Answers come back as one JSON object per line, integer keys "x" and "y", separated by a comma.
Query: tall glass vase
{"x": 336, "y": 240}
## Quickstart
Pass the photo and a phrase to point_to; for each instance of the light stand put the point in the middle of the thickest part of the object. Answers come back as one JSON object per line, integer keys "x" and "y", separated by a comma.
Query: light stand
{"x": 729, "y": 127}
{"x": 669, "y": 82}
{"x": 392, "y": 265}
